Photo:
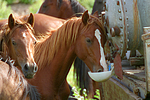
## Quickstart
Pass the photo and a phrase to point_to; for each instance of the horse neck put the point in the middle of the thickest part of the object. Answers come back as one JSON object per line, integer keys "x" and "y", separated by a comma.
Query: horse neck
{"x": 56, "y": 53}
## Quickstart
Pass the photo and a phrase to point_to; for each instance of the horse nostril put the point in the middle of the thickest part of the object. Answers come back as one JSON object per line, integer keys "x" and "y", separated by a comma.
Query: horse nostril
{"x": 99, "y": 70}
{"x": 35, "y": 68}
{"x": 26, "y": 67}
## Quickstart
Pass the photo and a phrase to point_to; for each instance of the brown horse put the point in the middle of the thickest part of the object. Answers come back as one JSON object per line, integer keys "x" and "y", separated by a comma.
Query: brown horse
{"x": 17, "y": 42}
{"x": 55, "y": 54}
{"x": 54, "y": 8}
{"x": 73, "y": 8}
{"x": 13, "y": 86}
{"x": 62, "y": 8}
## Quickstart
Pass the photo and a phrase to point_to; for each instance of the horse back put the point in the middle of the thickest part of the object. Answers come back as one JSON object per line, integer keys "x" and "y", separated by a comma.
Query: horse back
{"x": 44, "y": 23}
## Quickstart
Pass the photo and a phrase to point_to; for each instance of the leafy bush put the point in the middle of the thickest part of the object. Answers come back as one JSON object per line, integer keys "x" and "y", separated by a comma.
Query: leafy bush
{"x": 10, "y": 1}
{"x": 88, "y": 4}
{"x": 21, "y": 1}
{"x": 4, "y": 9}
{"x": 28, "y": 1}
{"x": 36, "y": 6}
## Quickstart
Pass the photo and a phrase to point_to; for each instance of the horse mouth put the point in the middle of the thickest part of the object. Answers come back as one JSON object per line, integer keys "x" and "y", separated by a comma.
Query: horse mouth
{"x": 29, "y": 76}
{"x": 101, "y": 76}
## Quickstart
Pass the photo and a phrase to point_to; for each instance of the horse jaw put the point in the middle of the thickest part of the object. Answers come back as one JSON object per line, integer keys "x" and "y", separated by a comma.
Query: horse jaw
{"x": 101, "y": 76}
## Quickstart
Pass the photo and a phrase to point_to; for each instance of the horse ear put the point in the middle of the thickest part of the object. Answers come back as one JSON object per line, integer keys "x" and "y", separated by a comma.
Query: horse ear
{"x": 85, "y": 17}
{"x": 96, "y": 14}
{"x": 31, "y": 20}
{"x": 11, "y": 21}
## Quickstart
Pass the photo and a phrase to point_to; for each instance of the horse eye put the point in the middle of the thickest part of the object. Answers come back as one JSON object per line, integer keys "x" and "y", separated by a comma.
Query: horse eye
{"x": 34, "y": 42}
{"x": 88, "y": 40}
{"x": 13, "y": 42}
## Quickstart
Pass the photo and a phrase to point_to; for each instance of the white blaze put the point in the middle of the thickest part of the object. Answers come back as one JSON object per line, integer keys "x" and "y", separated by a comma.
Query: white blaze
{"x": 102, "y": 60}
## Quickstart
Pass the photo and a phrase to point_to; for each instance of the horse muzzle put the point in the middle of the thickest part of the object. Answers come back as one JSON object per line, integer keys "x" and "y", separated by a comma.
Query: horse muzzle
{"x": 30, "y": 70}
{"x": 102, "y": 76}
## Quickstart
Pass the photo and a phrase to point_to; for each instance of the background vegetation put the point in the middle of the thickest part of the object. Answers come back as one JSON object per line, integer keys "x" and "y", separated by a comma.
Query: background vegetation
{"x": 5, "y": 10}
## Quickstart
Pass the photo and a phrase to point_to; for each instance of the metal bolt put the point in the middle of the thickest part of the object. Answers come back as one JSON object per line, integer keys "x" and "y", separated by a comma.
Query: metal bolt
{"x": 127, "y": 25}
{"x": 121, "y": 34}
{"x": 119, "y": 10}
{"x": 125, "y": 9}
{"x": 115, "y": 31}
{"x": 120, "y": 18}
{"x": 127, "y": 17}
{"x": 124, "y": 2}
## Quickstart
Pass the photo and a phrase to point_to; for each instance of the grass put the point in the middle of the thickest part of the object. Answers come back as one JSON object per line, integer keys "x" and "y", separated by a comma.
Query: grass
{"x": 4, "y": 9}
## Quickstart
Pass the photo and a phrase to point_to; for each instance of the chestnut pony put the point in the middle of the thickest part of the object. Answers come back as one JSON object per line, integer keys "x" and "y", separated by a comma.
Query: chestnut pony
{"x": 17, "y": 42}
{"x": 55, "y": 54}
{"x": 62, "y": 8}
{"x": 13, "y": 86}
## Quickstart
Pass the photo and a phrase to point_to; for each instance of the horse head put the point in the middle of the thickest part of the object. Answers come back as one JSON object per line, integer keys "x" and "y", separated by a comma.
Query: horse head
{"x": 61, "y": 8}
{"x": 18, "y": 43}
{"x": 90, "y": 43}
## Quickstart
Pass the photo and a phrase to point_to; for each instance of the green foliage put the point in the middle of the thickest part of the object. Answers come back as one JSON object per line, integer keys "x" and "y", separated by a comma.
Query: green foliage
{"x": 28, "y": 1}
{"x": 85, "y": 96}
{"x": 36, "y": 6}
{"x": 97, "y": 94}
{"x": 21, "y": 1}
{"x": 10, "y": 1}
{"x": 88, "y": 4}
{"x": 4, "y": 9}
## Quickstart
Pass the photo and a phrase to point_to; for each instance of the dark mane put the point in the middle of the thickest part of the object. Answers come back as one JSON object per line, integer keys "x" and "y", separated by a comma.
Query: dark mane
{"x": 77, "y": 7}
{"x": 15, "y": 73}
{"x": 59, "y": 2}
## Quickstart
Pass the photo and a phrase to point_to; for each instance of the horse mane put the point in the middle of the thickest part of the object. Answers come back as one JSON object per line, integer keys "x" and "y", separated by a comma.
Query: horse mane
{"x": 5, "y": 34}
{"x": 62, "y": 38}
{"x": 77, "y": 7}
{"x": 16, "y": 75}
